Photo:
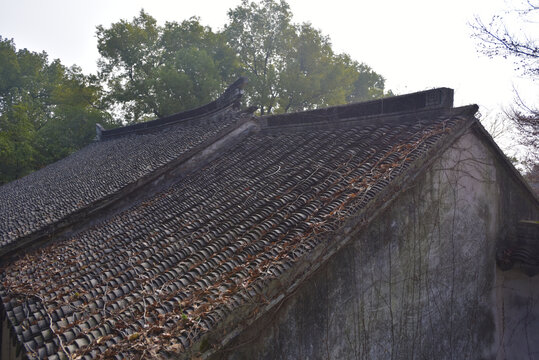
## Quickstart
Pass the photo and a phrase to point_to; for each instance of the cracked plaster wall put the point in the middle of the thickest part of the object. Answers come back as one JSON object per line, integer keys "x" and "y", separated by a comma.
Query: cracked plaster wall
{"x": 419, "y": 282}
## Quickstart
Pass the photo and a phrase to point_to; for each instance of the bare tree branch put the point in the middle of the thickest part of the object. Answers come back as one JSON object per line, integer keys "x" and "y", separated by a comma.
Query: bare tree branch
{"x": 496, "y": 39}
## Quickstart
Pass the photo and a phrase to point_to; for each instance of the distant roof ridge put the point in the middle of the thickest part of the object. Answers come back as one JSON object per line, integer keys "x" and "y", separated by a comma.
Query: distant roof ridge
{"x": 427, "y": 100}
{"x": 229, "y": 98}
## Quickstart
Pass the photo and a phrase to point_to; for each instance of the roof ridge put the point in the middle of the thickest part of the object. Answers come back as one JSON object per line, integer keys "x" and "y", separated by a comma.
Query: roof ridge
{"x": 428, "y": 100}
{"x": 298, "y": 125}
{"x": 229, "y": 98}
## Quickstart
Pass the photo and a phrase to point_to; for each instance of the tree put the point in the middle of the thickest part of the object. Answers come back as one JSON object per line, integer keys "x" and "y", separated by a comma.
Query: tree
{"x": 129, "y": 58}
{"x": 75, "y": 111}
{"x": 313, "y": 75}
{"x": 293, "y": 67}
{"x": 497, "y": 39}
{"x": 47, "y": 110}
{"x": 153, "y": 71}
{"x": 16, "y": 143}
{"x": 201, "y": 56}
{"x": 261, "y": 34}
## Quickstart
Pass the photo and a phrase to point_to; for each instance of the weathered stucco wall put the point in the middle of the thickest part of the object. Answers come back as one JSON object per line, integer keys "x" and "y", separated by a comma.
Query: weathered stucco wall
{"x": 518, "y": 315}
{"x": 418, "y": 283}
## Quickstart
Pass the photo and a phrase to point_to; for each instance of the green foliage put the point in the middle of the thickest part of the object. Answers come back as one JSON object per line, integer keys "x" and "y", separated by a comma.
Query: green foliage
{"x": 75, "y": 114}
{"x": 293, "y": 67}
{"x": 261, "y": 34}
{"x": 16, "y": 143}
{"x": 154, "y": 71}
{"x": 313, "y": 76}
{"x": 47, "y": 111}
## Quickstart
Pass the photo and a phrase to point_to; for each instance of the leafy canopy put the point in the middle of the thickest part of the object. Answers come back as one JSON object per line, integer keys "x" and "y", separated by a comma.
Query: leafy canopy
{"x": 47, "y": 111}
{"x": 292, "y": 67}
{"x": 147, "y": 70}
{"x": 153, "y": 71}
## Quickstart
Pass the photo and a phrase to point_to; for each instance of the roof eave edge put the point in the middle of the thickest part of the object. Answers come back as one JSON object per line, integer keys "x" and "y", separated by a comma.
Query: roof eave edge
{"x": 480, "y": 130}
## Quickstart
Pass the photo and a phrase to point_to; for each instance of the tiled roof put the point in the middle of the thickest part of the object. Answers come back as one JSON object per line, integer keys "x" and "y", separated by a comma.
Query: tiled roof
{"x": 155, "y": 278}
{"x": 32, "y": 204}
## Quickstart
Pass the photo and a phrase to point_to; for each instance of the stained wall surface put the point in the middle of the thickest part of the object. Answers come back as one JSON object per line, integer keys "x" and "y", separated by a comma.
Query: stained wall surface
{"x": 518, "y": 315}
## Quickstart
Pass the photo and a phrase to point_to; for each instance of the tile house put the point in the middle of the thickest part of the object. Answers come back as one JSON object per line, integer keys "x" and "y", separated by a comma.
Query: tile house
{"x": 393, "y": 228}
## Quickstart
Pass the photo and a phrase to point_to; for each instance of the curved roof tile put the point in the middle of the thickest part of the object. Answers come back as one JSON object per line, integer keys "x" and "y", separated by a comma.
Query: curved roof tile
{"x": 104, "y": 168}
{"x": 157, "y": 276}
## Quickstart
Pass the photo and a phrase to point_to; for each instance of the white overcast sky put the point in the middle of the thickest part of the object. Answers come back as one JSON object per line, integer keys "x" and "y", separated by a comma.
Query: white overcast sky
{"x": 414, "y": 44}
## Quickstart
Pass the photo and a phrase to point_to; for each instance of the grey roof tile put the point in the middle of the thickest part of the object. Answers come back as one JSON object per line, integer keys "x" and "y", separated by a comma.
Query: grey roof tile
{"x": 158, "y": 275}
{"x": 103, "y": 168}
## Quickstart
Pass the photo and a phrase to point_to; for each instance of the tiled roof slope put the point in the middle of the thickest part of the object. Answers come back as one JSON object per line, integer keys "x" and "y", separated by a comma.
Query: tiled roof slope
{"x": 40, "y": 200}
{"x": 155, "y": 279}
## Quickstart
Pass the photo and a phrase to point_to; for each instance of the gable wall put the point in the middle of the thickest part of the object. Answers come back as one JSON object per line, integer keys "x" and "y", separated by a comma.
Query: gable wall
{"x": 417, "y": 283}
